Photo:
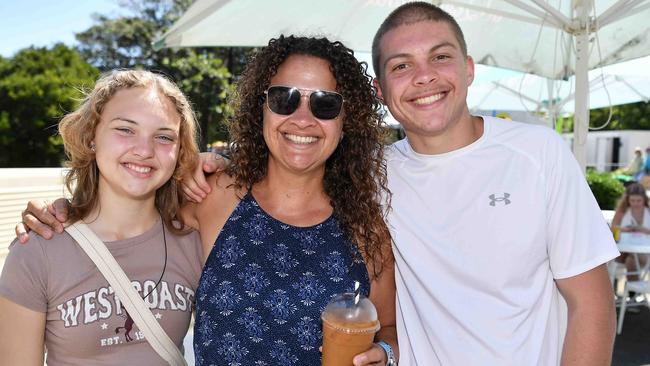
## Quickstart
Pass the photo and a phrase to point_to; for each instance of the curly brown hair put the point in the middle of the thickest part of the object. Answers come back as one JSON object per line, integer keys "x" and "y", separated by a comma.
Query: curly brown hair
{"x": 78, "y": 130}
{"x": 355, "y": 174}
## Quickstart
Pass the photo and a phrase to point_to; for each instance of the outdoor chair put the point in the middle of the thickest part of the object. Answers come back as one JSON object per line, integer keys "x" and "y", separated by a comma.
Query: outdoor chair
{"x": 642, "y": 289}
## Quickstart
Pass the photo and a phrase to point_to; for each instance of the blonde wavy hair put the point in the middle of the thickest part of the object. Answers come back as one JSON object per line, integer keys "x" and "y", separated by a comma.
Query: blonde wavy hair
{"x": 78, "y": 130}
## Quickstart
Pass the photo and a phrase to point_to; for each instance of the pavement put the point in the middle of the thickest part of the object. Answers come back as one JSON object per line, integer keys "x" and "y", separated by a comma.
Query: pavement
{"x": 632, "y": 346}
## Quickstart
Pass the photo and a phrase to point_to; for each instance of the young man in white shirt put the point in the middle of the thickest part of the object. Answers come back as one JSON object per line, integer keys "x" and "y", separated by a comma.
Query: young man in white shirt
{"x": 499, "y": 242}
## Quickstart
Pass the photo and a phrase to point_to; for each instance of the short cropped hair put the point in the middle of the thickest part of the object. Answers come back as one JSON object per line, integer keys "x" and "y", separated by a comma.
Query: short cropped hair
{"x": 411, "y": 13}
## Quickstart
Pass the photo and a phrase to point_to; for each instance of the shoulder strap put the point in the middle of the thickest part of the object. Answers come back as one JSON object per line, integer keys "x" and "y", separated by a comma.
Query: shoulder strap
{"x": 133, "y": 303}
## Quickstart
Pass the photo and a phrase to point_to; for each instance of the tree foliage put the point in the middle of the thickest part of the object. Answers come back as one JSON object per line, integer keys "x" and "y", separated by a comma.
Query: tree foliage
{"x": 204, "y": 74}
{"x": 38, "y": 86}
{"x": 633, "y": 116}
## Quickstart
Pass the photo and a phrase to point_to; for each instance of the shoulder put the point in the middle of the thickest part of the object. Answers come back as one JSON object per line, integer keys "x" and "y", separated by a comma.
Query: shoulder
{"x": 37, "y": 246}
{"x": 542, "y": 145}
{"x": 223, "y": 191}
{"x": 519, "y": 134}
{"x": 219, "y": 203}
{"x": 188, "y": 242}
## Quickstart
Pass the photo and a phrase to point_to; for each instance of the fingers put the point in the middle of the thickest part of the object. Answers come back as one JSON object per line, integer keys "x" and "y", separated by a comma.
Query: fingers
{"x": 195, "y": 187}
{"x": 37, "y": 226}
{"x": 41, "y": 217}
{"x": 60, "y": 210}
{"x": 212, "y": 162}
{"x": 373, "y": 356}
{"x": 192, "y": 192}
{"x": 22, "y": 232}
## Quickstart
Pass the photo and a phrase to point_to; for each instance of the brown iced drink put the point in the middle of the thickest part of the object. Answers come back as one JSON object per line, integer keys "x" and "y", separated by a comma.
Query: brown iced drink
{"x": 348, "y": 329}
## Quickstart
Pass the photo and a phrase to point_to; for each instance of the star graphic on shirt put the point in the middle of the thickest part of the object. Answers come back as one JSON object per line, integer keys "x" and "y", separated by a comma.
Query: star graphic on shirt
{"x": 158, "y": 316}
{"x": 104, "y": 326}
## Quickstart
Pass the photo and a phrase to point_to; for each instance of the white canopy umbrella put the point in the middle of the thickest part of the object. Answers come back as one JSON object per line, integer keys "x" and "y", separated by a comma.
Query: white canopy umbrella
{"x": 554, "y": 97}
{"x": 554, "y": 39}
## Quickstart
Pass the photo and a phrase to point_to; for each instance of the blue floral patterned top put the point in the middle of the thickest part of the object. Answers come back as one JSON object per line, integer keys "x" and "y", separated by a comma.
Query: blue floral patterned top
{"x": 264, "y": 287}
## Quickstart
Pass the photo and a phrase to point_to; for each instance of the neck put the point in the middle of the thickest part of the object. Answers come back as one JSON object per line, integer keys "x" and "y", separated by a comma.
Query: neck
{"x": 457, "y": 135}
{"x": 292, "y": 188}
{"x": 116, "y": 217}
{"x": 296, "y": 199}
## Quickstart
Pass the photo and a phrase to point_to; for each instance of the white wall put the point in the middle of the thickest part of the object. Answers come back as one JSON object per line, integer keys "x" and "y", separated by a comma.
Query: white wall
{"x": 600, "y": 144}
{"x": 19, "y": 185}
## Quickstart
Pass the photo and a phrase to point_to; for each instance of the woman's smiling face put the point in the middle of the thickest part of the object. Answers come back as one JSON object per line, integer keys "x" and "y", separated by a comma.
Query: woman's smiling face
{"x": 300, "y": 142}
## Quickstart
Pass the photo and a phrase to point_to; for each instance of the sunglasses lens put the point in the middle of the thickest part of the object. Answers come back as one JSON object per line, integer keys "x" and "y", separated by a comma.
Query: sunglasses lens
{"x": 325, "y": 105}
{"x": 283, "y": 100}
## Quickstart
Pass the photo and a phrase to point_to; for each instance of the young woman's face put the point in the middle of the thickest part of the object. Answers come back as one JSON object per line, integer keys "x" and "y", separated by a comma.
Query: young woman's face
{"x": 300, "y": 141}
{"x": 636, "y": 200}
{"x": 137, "y": 143}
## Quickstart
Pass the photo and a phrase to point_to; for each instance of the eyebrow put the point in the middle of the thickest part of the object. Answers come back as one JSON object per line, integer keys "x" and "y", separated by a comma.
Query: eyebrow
{"x": 135, "y": 123}
{"x": 432, "y": 49}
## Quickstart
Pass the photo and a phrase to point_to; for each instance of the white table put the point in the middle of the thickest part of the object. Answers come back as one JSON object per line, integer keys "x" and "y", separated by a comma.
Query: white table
{"x": 636, "y": 243}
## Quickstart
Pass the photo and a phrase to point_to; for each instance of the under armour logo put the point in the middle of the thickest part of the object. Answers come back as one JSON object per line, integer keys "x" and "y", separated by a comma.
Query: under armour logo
{"x": 494, "y": 199}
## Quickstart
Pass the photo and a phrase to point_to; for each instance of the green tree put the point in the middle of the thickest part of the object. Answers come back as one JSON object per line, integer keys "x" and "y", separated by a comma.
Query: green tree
{"x": 204, "y": 74}
{"x": 38, "y": 86}
{"x": 633, "y": 116}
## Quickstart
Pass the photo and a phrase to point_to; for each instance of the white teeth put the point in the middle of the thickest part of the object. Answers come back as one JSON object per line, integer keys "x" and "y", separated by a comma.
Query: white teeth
{"x": 300, "y": 139}
{"x": 139, "y": 169}
{"x": 429, "y": 100}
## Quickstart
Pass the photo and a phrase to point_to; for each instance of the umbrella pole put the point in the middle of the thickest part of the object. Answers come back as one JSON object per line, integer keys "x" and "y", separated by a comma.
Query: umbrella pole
{"x": 581, "y": 116}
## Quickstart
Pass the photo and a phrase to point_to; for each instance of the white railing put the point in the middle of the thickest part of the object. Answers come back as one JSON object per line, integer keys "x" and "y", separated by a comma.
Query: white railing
{"x": 19, "y": 185}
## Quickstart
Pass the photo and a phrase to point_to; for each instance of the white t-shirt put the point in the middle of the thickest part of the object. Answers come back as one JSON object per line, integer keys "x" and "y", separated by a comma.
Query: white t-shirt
{"x": 628, "y": 219}
{"x": 480, "y": 235}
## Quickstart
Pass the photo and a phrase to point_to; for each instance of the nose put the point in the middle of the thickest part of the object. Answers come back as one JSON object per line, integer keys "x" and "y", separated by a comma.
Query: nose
{"x": 303, "y": 114}
{"x": 143, "y": 147}
{"x": 425, "y": 74}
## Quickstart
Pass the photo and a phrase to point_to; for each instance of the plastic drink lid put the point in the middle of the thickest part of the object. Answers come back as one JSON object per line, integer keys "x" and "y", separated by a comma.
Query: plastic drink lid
{"x": 342, "y": 310}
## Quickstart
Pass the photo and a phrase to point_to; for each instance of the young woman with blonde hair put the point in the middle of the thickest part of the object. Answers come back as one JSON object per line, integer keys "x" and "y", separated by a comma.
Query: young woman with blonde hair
{"x": 128, "y": 144}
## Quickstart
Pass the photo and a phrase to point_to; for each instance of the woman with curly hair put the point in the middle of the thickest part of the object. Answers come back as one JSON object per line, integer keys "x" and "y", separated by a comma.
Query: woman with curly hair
{"x": 296, "y": 217}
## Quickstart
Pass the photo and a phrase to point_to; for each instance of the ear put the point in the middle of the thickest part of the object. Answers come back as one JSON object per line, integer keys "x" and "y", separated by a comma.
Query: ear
{"x": 470, "y": 70}
{"x": 380, "y": 95}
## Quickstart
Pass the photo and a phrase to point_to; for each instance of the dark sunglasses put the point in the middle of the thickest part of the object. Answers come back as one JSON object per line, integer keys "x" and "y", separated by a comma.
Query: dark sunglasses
{"x": 285, "y": 100}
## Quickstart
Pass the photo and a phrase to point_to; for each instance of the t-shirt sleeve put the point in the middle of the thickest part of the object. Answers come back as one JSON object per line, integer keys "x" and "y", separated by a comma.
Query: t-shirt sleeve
{"x": 24, "y": 275}
{"x": 578, "y": 236}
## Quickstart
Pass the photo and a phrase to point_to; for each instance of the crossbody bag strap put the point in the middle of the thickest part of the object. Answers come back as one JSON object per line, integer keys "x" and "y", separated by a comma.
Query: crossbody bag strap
{"x": 133, "y": 303}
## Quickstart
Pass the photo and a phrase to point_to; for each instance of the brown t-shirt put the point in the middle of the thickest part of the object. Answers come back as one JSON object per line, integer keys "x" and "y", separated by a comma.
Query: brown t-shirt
{"x": 86, "y": 323}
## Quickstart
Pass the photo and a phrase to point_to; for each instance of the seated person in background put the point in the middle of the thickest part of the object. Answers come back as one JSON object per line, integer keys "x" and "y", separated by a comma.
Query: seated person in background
{"x": 632, "y": 216}
{"x": 635, "y": 166}
{"x": 633, "y": 212}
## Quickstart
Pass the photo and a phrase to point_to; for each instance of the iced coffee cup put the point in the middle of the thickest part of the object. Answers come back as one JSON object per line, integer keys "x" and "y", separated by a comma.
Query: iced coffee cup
{"x": 349, "y": 328}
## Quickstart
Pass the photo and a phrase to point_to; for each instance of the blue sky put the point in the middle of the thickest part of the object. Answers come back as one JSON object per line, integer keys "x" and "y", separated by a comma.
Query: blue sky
{"x": 45, "y": 22}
